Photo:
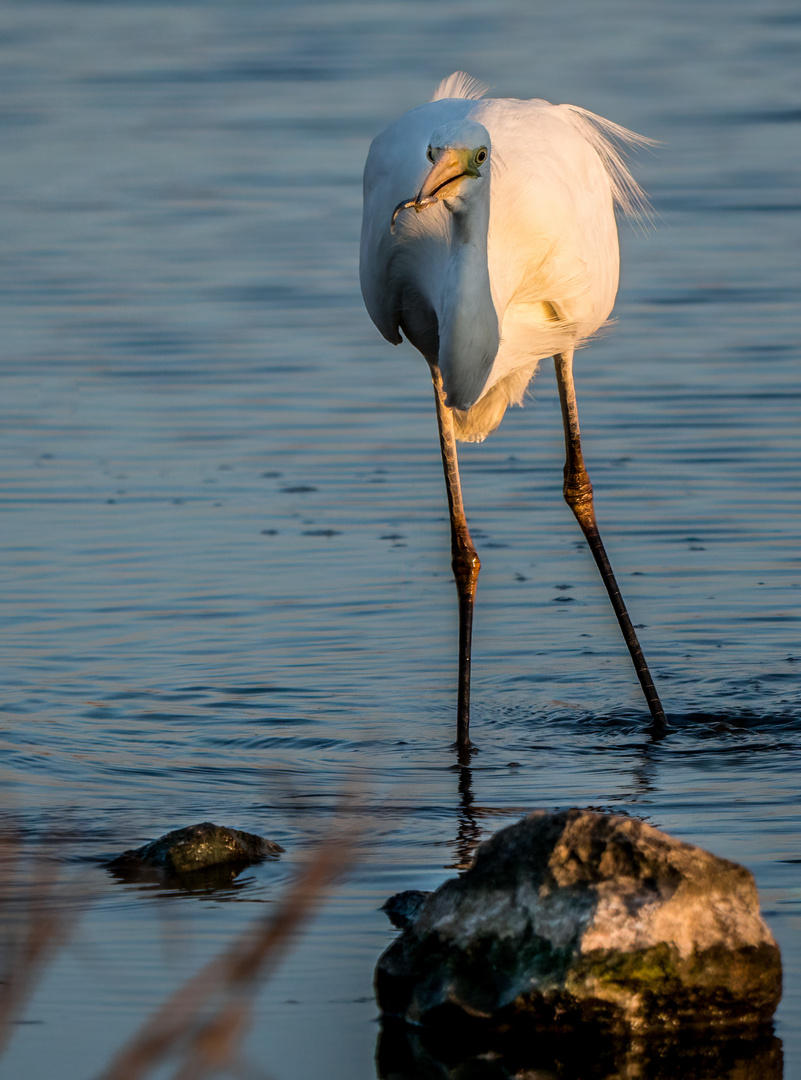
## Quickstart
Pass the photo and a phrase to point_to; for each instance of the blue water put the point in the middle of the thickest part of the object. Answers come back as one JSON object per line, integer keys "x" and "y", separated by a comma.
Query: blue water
{"x": 225, "y": 554}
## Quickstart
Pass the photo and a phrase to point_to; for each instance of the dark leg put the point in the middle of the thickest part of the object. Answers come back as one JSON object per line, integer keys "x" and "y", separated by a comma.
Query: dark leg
{"x": 578, "y": 495}
{"x": 465, "y": 560}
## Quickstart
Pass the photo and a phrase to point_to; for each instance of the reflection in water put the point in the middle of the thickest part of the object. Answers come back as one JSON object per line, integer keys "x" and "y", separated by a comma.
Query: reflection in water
{"x": 203, "y": 883}
{"x": 644, "y": 767}
{"x": 469, "y": 830}
{"x": 644, "y": 775}
{"x": 409, "y": 1053}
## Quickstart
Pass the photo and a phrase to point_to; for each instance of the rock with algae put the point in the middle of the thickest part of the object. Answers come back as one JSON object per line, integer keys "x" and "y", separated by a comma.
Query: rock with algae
{"x": 198, "y": 847}
{"x": 579, "y": 918}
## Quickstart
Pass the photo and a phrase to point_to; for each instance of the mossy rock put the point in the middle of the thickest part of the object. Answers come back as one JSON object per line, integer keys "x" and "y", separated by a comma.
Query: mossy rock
{"x": 580, "y": 918}
{"x": 196, "y": 848}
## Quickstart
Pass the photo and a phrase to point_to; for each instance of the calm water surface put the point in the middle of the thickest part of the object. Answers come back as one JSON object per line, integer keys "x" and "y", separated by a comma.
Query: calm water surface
{"x": 226, "y": 582}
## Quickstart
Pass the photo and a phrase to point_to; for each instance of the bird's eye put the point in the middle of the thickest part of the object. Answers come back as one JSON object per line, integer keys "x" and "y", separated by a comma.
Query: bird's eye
{"x": 430, "y": 154}
{"x": 481, "y": 155}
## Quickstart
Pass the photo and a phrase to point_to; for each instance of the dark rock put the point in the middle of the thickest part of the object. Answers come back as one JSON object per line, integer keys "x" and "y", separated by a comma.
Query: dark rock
{"x": 580, "y": 918}
{"x": 198, "y": 847}
{"x": 402, "y": 908}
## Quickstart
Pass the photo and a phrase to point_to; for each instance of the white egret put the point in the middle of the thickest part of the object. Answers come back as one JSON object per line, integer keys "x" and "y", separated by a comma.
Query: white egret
{"x": 507, "y": 254}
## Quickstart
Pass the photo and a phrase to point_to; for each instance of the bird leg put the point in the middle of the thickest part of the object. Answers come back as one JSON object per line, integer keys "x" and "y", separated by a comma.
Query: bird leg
{"x": 465, "y": 561}
{"x": 578, "y": 496}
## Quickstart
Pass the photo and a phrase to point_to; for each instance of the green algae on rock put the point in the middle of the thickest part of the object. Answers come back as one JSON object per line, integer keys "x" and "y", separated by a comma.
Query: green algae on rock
{"x": 198, "y": 847}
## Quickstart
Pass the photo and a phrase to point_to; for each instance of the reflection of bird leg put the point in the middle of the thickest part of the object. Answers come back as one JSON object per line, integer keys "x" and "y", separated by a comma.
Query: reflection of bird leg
{"x": 578, "y": 495}
{"x": 469, "y": 832}
{"x": 465, "y": 560}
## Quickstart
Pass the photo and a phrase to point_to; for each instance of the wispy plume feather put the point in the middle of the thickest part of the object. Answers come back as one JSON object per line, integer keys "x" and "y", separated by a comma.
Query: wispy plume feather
{"x": 460, "y": 85}
{"x": 603, "y": 135}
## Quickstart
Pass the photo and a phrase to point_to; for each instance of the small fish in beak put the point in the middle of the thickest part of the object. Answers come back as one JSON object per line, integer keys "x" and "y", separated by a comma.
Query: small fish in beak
{"x": 450, "y": 164}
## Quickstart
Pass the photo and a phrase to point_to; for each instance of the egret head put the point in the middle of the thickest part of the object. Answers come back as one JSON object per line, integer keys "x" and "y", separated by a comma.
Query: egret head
{"x": 459, "y": 154}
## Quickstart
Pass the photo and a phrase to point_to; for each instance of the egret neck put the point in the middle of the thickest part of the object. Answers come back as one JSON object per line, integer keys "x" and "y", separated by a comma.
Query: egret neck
{"x": 468, "y": 324}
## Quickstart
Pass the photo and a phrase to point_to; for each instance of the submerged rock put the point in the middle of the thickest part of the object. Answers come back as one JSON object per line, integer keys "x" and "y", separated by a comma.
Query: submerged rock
{"x": 197, "y": 847}
{"x": 580, "y": 918}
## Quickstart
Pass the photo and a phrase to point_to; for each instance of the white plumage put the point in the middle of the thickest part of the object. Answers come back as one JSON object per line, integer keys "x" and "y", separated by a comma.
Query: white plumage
{"x": 538, "y": 273}
{"x": 507, "y": 253}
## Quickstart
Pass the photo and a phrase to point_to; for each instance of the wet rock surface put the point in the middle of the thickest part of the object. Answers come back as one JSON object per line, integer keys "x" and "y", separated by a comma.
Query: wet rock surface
{"x": 403, "y": 908}
{"x": 581, "y": 919}
{"x": 194, "y": 849}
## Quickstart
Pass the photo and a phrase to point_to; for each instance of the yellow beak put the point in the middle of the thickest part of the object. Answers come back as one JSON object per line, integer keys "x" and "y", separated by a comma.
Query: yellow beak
{"x": 450, "y": 166}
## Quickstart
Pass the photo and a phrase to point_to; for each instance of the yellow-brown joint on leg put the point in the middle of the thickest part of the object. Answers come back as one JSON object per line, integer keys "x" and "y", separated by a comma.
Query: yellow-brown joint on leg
{"x": 464, "y": 559}
{"x": 577, "y": 491}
